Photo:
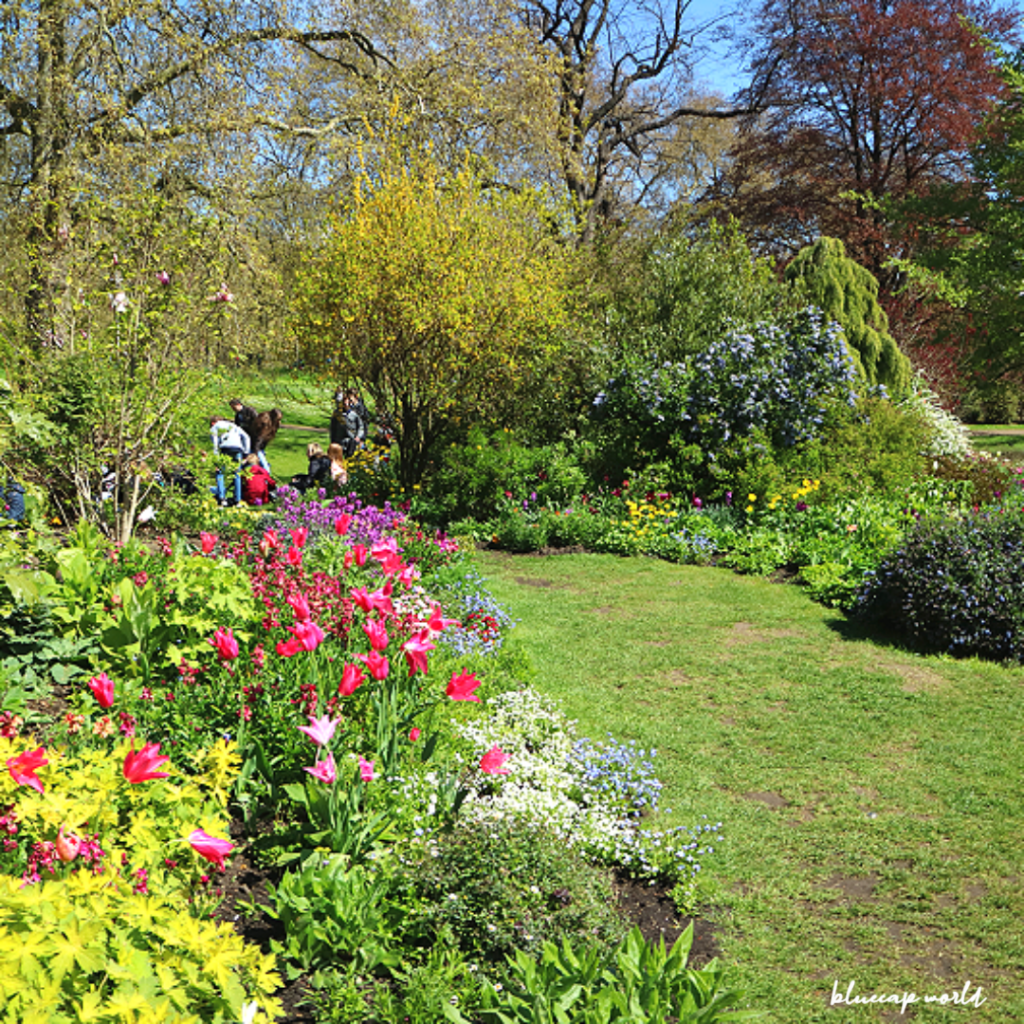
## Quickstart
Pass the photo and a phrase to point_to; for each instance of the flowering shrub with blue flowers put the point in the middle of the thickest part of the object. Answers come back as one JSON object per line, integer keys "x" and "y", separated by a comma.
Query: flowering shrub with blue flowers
{"x": 778, "y": 378}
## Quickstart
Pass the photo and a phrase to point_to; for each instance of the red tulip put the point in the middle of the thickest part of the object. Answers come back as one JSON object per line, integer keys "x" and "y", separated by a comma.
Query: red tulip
{"x": 23, "y": 768}
{"x": 351, "y": 678}
{"x": 210, "y": 847}
{"x": 377, "y": 634}
{"x": 342, "y": 523}
{"x": 299, "y": 536}
{"x": 300, "y": 606}
{"x": 294, "y": 557}
{"x": 415, "y": 650}
{"x": 362, "y": 599}
{"x": 438, "y": 622}
{"x": 376, "y": 663}
{"x": 140, "y": 767}
{"x": 414, "y": 734}
{"x": 493, "y": 762}
{"x": 102, "y": 689}
{"x": 269, "y": 543}
{"x": 306, "y": 636}
{"x": 461, "y": 687}
{"x": 359, "y": 554}
{"x": 208, "y": 541}
{"x": 225, "y": 643}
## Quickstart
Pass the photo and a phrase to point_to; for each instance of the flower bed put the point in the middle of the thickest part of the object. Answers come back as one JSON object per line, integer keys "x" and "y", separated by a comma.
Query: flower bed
{"x": 337, "y": 682}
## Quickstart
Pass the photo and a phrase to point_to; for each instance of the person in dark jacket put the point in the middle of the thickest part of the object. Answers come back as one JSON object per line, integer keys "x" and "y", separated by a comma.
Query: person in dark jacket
{"x": 264, "y": 430}
{"x": 318, "y": 473}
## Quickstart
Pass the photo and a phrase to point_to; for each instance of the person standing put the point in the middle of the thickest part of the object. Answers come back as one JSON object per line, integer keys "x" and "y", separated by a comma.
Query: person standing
{"x": 228, "y": 439}
{"x": 246, "y": 418}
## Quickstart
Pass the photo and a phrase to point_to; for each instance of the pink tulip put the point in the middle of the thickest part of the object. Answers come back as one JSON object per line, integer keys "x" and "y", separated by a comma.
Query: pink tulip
{"x": 299, "y": 536}
{"x": 461, "y": 687}
{"x": 269, "y": 542}
{"x": 210, "y": 847}
{"x": 342, "y": 523}
{"x": 102, "y": 689}
{"x": 351, "y": 678}
{"x": 139, "y": 767}
{"x": 226, "y": 646}
{"x": 319, "y": 730}
{"x": 377, "y": 634}
{"x": 208, "y": 542}
{"x": 23, "y": 768}
{"x": 300, "y": 606}
{"x": 414, "y": 734}
{"x": 362, "y": 599}
{"x": 415, "y": 650}
{"x": 376, "y": 663}
{"x": 365, "y": 770}
{"x": 326, "y": 770}
{"x": 306, "y": 636}
{"x": 493, "y": 762}
{"x": 359, "y": 554}
{"x": 67, "y": 846}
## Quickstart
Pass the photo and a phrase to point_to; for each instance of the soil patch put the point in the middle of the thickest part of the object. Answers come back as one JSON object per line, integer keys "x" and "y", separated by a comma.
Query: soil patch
{"x": 860, "y": 889}
{"x": 528, "y": 581}
{"x": 748, "y": 633}
{"x": 773, "y": 800}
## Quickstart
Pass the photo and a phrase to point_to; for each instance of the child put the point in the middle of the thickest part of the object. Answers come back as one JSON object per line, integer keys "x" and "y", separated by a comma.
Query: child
{"x": 257, "y": 484}
{"x": 339, "y": 471}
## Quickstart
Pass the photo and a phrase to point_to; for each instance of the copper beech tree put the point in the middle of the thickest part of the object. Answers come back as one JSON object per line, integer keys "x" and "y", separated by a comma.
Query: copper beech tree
{"x": 866, "y": 100}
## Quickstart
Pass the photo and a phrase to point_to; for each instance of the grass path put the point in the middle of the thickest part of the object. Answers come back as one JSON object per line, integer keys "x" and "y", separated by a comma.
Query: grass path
{"x": 871, "y": 798}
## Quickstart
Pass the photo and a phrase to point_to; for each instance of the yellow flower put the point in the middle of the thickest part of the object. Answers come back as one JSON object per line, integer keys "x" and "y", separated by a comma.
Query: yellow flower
{"x": 750, "y": 508}
{"x": 751, "y": 497}
{"x": 807, "y": 483}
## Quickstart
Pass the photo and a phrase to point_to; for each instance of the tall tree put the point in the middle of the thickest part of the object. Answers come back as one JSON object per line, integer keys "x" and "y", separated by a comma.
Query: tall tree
{"x": 877, "y": 98}
{"x": 90, "y": 89}
{"x": 624, "y": 82}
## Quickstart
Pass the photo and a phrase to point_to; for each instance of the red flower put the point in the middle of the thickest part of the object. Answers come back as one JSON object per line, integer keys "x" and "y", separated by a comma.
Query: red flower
{"x": 351, "y": 678}
{"x": 300, "y": 606}
{"x": 299, "y": 536}
{"x": 415, "y": 650}
{"x": 342, "y": 523}
{"x": 225, "y": 643}
{"x": 377, "y": 634}
{"x": 210, "y": 847}
{"x": 23, "y": 768}
{"x": 493, "y": 762}
{"x": 376, "y": 663}
{"x": 270, "y": 542}
{"x": 139, "y": 767}
{"x": 306, "y": 636}
{"x": 102, "y": 689}
{"x": 461, "y": 687}
{"x": 208, "y": 541}
{"x": 438, "y": 622}
{"x": 414, "y": 734}
{"x": 359, "y": 554}
{"x": 362, "y": 599}
{"x": 294, "y": 557}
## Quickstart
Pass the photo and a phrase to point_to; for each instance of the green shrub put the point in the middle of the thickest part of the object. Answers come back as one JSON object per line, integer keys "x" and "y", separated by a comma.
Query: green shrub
{"x": 955, "y": 586}
{"x": 501, "y": 886}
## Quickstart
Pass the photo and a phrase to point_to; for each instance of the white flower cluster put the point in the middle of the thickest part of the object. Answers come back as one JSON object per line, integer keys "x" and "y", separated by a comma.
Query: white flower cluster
{"x": 948, "y": 436}
{"x": 548, "y": 786}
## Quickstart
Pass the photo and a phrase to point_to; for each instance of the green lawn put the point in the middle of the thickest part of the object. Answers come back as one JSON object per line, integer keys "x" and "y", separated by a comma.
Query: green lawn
{"x": 870, "y": 797}
{"x": 1006, "y": 445}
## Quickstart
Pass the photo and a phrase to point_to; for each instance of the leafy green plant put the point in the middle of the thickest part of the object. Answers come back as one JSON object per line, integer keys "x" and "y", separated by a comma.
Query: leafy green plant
{"x": 334, "y": 912}
{"x": 87, "y": 947}
{"x": 639, "y": 983}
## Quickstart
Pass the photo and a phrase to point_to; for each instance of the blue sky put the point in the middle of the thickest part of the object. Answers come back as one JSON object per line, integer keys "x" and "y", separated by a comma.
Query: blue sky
{"x": 717, "y": 71}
